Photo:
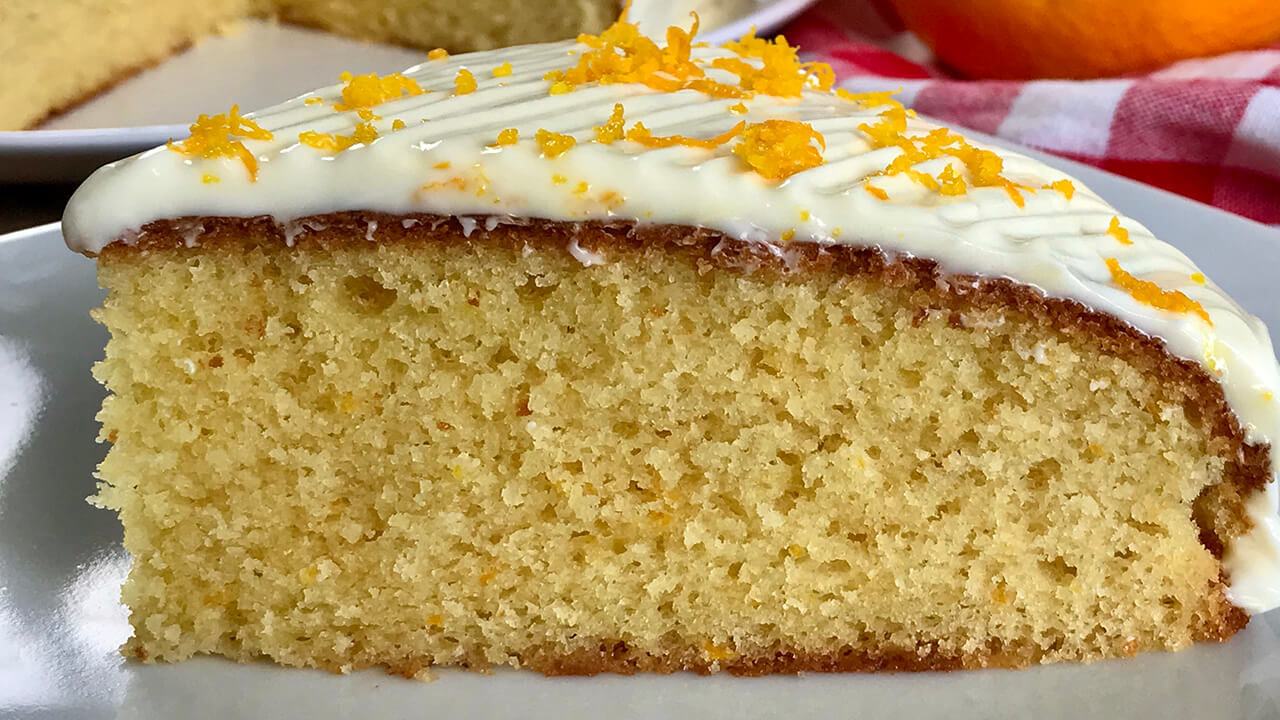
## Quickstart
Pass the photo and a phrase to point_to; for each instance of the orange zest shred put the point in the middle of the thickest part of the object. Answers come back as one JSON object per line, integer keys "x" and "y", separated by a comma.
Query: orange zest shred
{"x": 313, "y": 101}
{"x": 622, "y": 54}
{"x": 950, "y": 182}
{"x": 223, "y": 135}
{"x": 438, "y": 54}
{"x": 612, "y": 131}
{"x": 209, "y": 179}
{"x": 366, "y": 91}
{"x": 397, "y": 124}
{"x": 559, "y": 179}
{"x": 554, "y": 144}
{"x": 778, "y": 149}
{"x": 739, "y": 108}
{"x": 1149, "y": 293}
{"x": 876, "y": 192}
{"x": 510, "y": 136}
{"x": 869, "y": 99}
{"x": 788, "y": 235}
{"x": 1120, "y": 234}
{"x": 984, "y": 167}
{"x": 464, "y": 83}
{"x": 1198, "y": 278}
{"x": 781, "y": 73}
{"x": 1014, "y": 194}
{"x": 441, "y": 165}
{"x": 503, "y": 70}
{"x": 1065, "y": 187}
{"x": 641, "y": 134}
{"x": 364, "y": 133}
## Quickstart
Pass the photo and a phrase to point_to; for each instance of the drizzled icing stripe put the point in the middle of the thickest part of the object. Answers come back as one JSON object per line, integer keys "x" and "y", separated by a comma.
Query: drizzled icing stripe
{"x": 435, "y": 152}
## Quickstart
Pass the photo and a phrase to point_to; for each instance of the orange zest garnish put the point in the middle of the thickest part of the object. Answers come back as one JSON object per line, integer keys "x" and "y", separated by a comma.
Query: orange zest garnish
{"x": 214, "y": 136}
{"x": 781, "y": 73}
{"x": 612, "y": 131}
{"x": 503, "y": 70}
{"x": 739, "y": 108}
{"x": 1014, "y": 192}
{"x": 1149, "y": 293}
{"x": 950, "y": 182}
{"x": 313, "y": 101}
{"x": 438, "y": 54}
{"x": 622, "y": 54}
{"x": 209, "y": 179}
{"x": 875, "y": 192}
{"x": 397, "y": 124}
{"x": 464, "y": 83}
{"x": 641, "y": 134}
{"x": 510, "y": 136}
{"x": 984, "y": 167}
{"x": 1198, "y": 278}
{"x": 1065, "y": 187}
{"x": 778, "y": 149}
{"x": 554, "y": 144}
{"x": 1120, "y": 234}
{"x": 366, "y": 91}
{"x": 364, "y": 133}
{"x": 868, "y": 99}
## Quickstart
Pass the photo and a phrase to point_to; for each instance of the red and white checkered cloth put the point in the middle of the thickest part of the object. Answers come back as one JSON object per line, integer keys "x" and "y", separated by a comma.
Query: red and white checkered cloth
{"x": 1208, "y": 129}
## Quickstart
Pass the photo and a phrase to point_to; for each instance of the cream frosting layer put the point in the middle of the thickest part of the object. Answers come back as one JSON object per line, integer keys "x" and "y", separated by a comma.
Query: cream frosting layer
{"x": 444, "y": 160}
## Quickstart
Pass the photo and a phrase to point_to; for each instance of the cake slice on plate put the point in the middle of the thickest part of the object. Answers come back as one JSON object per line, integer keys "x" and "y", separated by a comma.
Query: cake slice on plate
{"x": 623, "y": 354}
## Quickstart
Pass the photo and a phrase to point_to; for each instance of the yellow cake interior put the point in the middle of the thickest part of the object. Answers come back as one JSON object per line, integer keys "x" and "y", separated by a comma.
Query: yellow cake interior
{"x": 58, "y": 52}
{"x": 484, "y": 452}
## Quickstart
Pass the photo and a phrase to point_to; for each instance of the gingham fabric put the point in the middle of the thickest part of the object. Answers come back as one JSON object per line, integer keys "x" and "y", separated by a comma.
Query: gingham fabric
{"x": 1208, "y": 129}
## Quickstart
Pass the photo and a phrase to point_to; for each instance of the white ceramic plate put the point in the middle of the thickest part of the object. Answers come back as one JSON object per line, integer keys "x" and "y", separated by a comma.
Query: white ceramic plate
{"x": 61, "y": 564}
{"x": 260, "y": 64}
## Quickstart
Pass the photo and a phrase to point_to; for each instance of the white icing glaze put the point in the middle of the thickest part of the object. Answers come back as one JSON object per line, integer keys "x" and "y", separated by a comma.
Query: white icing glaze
{"x": 1053, "y": 244}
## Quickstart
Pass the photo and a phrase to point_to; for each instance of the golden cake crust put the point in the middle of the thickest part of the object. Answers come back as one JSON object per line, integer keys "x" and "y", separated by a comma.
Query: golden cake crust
{"x": 1219, "y": 511}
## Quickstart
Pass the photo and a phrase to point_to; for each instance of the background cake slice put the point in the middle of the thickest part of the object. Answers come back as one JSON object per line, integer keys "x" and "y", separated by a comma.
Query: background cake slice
{"x": 628, "y": 355}
{"x": 60, "y": 52}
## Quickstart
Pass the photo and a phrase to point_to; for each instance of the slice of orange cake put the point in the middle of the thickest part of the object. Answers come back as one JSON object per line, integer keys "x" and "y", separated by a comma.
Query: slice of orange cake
{"x": 628, "y": 354}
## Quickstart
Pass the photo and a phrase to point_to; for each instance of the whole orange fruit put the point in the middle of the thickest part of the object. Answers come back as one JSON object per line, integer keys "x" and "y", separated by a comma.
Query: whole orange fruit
{"x": 1020, "y": 39}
